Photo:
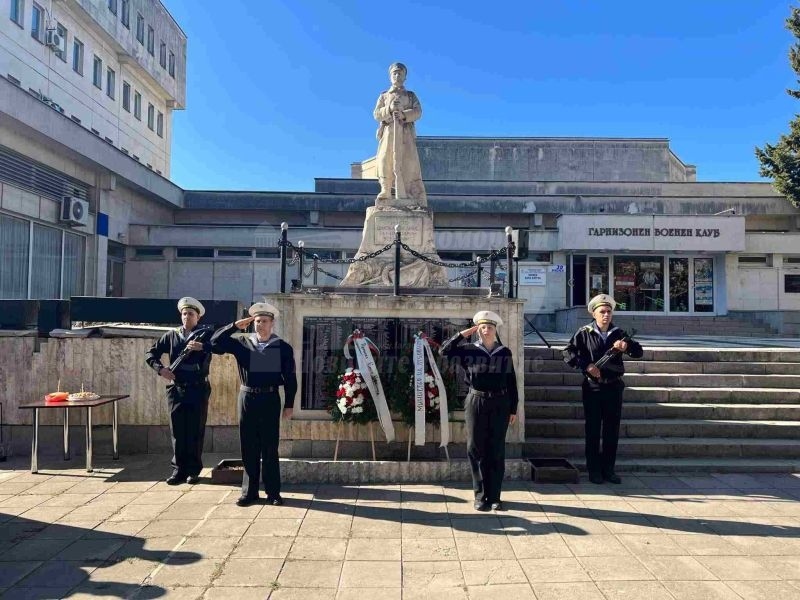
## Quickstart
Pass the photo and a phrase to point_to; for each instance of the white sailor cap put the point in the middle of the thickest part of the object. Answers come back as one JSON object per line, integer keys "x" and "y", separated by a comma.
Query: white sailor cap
{"x": 193, "y": 303}
{"x": 601, "y": 300}
{"x": 487, "y": 316}
{"x": 263, "y": 309}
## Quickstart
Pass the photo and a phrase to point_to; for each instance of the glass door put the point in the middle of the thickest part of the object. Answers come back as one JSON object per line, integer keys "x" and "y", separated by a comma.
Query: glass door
{"x": 639, "y": 283}
{"x": 679, "y": 285}
{"x": 703, "y": 272}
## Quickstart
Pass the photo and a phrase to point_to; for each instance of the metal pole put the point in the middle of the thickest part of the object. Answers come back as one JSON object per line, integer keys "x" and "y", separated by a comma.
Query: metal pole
{"x": 301, "y": 244}
{"x": 35, "y": 442}
{"x": 480, "y": 270}
{"x": 315, "y": 268}
{"x": 88, "y": 439}
{"x": 492, "y": 268}
{"x": 284, "y": 251}
{"x": 510, "y": 261}
{"x": 115, "y": 431}
{"x": 66, "y": 433}
{"x": 397, "y": 260}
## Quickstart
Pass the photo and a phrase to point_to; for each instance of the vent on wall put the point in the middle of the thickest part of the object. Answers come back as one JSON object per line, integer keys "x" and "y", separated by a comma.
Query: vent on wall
{"x": 13, "y": 79}
{"x": 37, "y": 178}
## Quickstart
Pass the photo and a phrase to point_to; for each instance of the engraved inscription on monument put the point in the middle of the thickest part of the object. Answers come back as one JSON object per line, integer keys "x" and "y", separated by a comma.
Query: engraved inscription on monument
{"x": 410, "y": 230}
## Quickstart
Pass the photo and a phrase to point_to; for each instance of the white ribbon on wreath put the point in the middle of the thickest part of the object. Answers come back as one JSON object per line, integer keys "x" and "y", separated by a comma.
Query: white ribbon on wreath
{"x": 369, "y": 370}
{"x": 422, "y": 348}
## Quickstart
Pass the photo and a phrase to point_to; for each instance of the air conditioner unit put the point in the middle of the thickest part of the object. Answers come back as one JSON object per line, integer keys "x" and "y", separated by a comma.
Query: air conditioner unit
{"x": 54, "y": 40}
{"x": 74, "y": 211}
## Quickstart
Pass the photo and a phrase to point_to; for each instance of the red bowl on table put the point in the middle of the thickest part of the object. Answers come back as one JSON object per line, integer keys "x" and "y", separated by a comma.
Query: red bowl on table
{"x": 56, "y": 397}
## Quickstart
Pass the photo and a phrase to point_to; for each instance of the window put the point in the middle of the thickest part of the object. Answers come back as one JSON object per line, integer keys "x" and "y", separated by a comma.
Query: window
{"x": 37, "y": 23}
{"x": 151, "y": 115}
{"x": 140, "y": 28}
{"x": 149, "y": 252}
{"x": 160, "y": 124}
{"x": 455, "y": 255}
{"x": 14, "y": 247}
{"x": 754, "y": 261}
{"x": 267, "y": 253}
{"x": 541, "y": 257}
{"x": 62, "y": 32}
{"x": 112, "y": 6}
{"x": 126, "y": 96}
{"x": 125, "y": 15}
{"x": 234, "y": 253}
{"x": 791, "y": 284}
{"x": 16, "y": 15}
{"x": 162, "y": 55}
{"x": 137, "y": 105}
{"x": 97, "y": 73}
{"x": 46, "y": 262}
{"x": 77, "y": 56}
{"x": 74, "y": 261}
{"x": 151, "y": 40}
{"x": 111, "y": 83}
{"x": 791, "y": 260}
{"x": 195, "y": 253}
{"x": 172, "y": 64}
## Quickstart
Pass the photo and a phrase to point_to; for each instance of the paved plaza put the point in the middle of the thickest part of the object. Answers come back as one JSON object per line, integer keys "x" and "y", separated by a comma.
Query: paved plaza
{"x": 121, "y": 532}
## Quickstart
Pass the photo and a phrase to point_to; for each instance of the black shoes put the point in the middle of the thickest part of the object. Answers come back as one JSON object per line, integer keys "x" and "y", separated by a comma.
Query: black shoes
{"x": 275, "y": 500}
{"x": 612, "y": 478}
{"x": 497, "y": 505}
{"x": 596, "y": 478}
{"x": 482, "y": 506}
{"x": 175, "y": 479}
{"x": 246, "y": 500}
{"x": 192, "y": 479}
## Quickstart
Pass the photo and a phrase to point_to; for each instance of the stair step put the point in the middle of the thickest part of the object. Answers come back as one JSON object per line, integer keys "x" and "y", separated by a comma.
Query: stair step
{"x": 675, "y": 380}
{"x": 671, "y": 447}
{"x": 701, "y": 465}
{"x": 668, "y": 428}
{"x": 692, "y": 395}
{"x": 779, "y": 355}
{"x": 655, "y": 410}
{"x": 538, "y": 365}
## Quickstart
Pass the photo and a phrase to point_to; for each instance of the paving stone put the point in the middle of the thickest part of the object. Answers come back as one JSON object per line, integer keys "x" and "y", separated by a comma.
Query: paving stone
{"x": 567, "y": 591}
{"x": 260, "y": 546}
{"x": 700, "y": 590}
{"x": 676, "y": 568}
{"x": 492, "y": 572}
{"x": 56, "y": 573}
{"x": 429, "y": 549}
{"x": 603, "y": 568}
{"x": 284, "y": 593}
{"x": 765, "y": 590}
{"x": 369, "y": 574}
{"x": 261, "y": 572}
{"x": 179, "y": 571}
{"x": 310, "y": 574}
{"x": 633, "y": 590}
{"x": 366, "y": 549}
{"x": 737, "y": 567}
{"x": 279, "y": 527}
{"x": 432, "y": 574}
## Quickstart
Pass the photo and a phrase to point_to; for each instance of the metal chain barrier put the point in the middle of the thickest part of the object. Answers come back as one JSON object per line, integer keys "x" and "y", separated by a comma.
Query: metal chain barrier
{"x": 329, "y": 274}
{"x": 463, "y": 277}
{"x": 339, "y": 261}
{"x": 462, "y": 265}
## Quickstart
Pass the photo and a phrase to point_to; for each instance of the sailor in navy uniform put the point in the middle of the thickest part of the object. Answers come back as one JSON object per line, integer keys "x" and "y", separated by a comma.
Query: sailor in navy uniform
{"x": 490, "y": 406}
{"x": 187, "y": 392}
{"x": 265, "y": 362}
{"x": 602, "y": 388}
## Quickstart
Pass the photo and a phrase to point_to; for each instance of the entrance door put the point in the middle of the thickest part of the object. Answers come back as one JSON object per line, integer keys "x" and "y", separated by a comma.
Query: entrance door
{"x": 691, "y": 285}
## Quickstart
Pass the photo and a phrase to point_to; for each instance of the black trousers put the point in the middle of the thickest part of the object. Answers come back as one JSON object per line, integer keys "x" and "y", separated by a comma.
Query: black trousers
{"x": 259, "y": 432}
{"x": 188, "y": 411}
{"x": 486, "y": 420}
{"x": 602, "y": 409}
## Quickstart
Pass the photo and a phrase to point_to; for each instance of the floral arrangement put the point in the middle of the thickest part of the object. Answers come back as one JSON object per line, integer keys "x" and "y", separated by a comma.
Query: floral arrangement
{"x": 353, "y": 401}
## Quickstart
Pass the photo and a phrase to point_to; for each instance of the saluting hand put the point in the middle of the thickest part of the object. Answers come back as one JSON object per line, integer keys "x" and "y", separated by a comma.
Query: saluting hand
{"x": 468, "y": 332}
{"x": 621, "y": 345}
{"x": 243, "y": 323}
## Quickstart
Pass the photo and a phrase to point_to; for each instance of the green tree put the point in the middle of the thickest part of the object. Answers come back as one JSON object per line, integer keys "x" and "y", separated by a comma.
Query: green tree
{"x": 781, "y": 162}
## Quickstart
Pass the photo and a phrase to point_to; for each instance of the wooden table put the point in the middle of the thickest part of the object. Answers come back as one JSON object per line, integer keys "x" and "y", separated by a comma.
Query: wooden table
{"x": 66, "y": 406}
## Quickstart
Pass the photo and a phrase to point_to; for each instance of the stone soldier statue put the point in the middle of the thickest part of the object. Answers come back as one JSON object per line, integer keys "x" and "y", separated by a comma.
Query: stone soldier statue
{"x": 397, "y": 160}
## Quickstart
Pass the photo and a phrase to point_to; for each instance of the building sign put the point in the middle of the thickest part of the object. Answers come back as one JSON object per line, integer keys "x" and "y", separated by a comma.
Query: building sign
{"x": 533, "y": 275}
{"x": 651, "y": 232}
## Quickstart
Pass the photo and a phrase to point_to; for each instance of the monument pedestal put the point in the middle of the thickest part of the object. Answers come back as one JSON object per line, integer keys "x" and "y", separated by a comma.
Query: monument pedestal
{"x": 416, "y": 229}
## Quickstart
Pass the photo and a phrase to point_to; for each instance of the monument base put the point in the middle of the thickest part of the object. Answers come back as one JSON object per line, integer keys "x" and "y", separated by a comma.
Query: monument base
{"x": 416, "y": 229}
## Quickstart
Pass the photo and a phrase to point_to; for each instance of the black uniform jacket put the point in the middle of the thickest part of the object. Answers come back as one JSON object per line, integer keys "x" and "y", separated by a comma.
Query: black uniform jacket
{"x": 486, "y": 371}
{"x": 194, "y": 367}
{"x": 587, "y": 346}
{"x": 272, "y": 366}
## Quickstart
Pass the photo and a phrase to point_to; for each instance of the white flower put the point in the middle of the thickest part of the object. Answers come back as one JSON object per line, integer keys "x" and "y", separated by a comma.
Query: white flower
{"x": 358, "y": 409}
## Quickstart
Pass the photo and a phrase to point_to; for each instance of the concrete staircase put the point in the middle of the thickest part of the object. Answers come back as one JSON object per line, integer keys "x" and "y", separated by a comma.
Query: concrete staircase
{"x": 692, "y": 325}
{"x": 721, "y": 410}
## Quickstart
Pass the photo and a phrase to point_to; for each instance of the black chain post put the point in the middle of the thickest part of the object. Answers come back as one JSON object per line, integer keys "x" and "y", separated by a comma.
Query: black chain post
{"x": 300, "y": 257}
{"x": 397, "y": 243}
{"x": 492, "y": 268}
{"x": 480, "y": 270}
{"x": 315, "y": 267}
{"x": 284, "y": 251}
{"x": 510, "y": 261}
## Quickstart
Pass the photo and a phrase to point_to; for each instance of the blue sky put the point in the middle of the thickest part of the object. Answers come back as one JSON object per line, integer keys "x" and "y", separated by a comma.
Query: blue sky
{"x": 280, "y": 92}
